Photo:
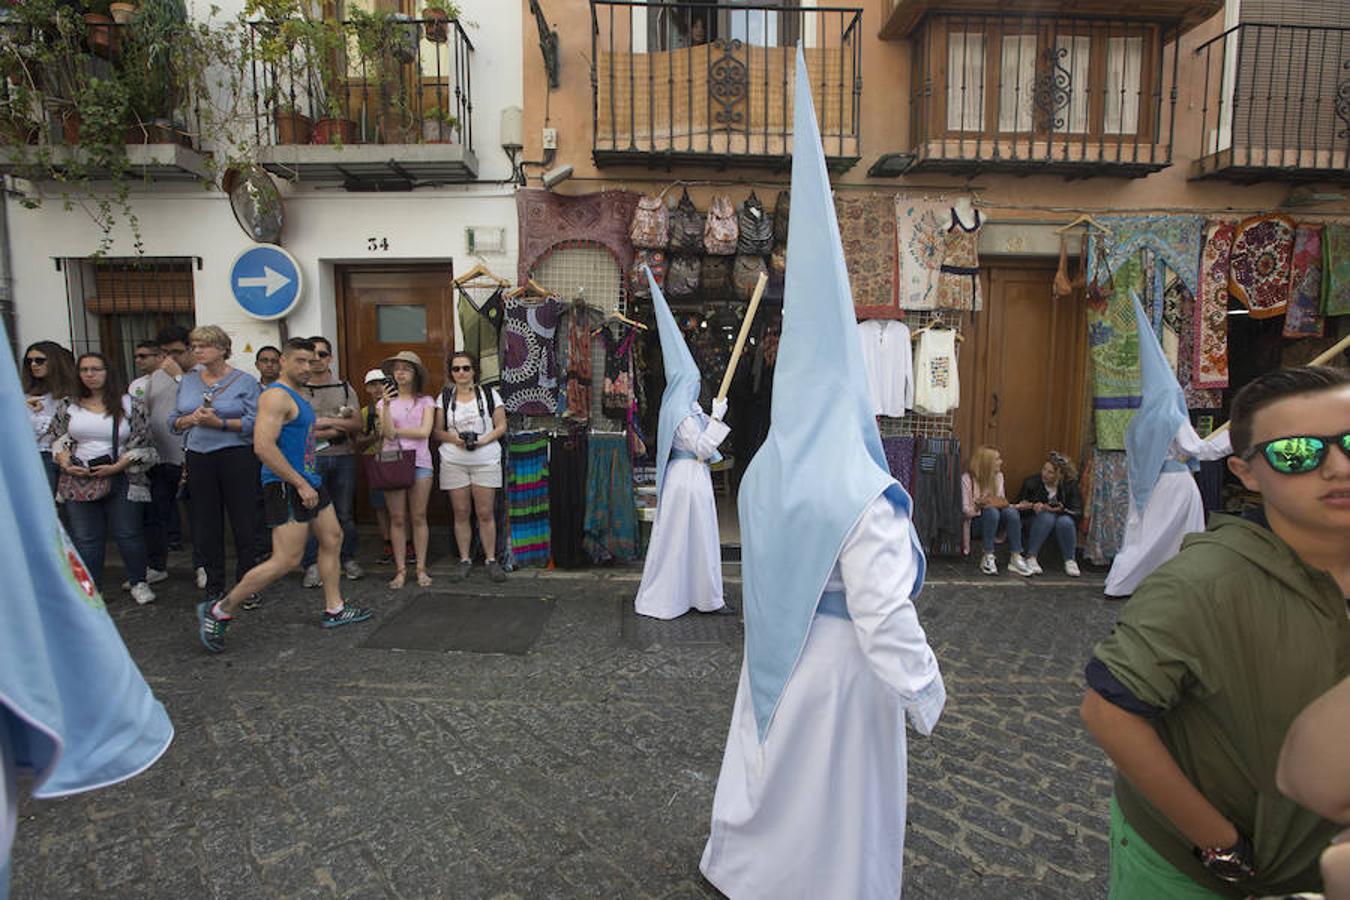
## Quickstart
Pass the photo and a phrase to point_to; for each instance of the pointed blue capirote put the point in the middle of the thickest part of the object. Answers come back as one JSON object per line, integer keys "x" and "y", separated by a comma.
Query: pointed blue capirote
{"x": 73, "y": 706}
{"x": 1162, "y": 411}
{"x": 822, "y": 464}
{"x": 683, "y": 381}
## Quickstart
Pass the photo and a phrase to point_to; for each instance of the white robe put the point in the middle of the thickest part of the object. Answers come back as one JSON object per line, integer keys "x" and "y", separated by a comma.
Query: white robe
{"x": 683, "y": 569}
{"x": 818, "y": 810}
{"x": 1174, "y": 510}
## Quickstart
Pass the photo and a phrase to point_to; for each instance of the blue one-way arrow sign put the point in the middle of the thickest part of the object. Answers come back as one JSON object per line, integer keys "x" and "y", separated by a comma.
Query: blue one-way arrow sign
{"x": 266, "y": 281}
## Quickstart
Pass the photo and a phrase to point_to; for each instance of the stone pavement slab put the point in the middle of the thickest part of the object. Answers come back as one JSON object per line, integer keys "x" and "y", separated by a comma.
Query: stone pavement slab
{"x": 305, "y": 765}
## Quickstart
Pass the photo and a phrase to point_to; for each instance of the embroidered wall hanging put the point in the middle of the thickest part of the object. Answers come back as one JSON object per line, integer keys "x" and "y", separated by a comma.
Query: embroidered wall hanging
{"x": 1260, "y": 266}
{"x": 1211, "y": 307}
{"x": 867, "y": 231}
{"x": 1336, "y": 270}
{"x": 1303, "y": 316}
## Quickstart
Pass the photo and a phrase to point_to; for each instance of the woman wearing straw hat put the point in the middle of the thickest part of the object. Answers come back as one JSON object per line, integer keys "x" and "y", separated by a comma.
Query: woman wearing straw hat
{"x": 406, "y": 417}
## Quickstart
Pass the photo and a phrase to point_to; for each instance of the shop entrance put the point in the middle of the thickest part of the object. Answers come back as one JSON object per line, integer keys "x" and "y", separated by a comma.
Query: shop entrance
{"x": 387, "y": 309}
{"x": 1024, "y": 361}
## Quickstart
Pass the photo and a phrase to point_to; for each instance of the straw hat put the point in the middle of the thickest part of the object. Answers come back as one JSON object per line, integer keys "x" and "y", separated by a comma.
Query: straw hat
{"x": 406, "y": 356}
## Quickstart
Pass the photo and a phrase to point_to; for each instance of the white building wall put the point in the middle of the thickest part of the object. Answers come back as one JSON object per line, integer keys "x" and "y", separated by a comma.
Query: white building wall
{"x": 324, "y": 226}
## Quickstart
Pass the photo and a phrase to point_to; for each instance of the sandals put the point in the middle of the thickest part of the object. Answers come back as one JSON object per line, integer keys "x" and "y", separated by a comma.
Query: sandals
{"x": 423, "y": 579}
{"x": 397, "y": 581}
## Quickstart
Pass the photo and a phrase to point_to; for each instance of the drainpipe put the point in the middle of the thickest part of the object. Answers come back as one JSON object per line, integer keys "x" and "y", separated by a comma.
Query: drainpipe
{"x": 6, "y": 277}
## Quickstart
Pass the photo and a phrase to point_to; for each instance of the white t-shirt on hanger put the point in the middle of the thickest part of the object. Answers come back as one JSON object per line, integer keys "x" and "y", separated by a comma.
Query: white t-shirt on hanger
{"x": 888, "y": 359}
{"x": 937, "y": 388}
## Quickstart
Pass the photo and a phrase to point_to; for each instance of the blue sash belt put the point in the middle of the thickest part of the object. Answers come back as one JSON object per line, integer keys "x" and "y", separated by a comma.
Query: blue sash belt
{"x": 832, "y": 603}
{"x": 682, "y": 454}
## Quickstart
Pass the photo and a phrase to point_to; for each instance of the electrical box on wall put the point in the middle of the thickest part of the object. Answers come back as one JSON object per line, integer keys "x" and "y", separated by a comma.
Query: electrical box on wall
{"x": 481, "y": 239}
{"x": 550, "y": 139}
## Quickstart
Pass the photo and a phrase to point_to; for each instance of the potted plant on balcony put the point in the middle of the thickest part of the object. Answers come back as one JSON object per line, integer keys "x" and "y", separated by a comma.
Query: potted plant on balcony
{"x": 438, "y": 14}
{"x": 122, "y": 12}
{"x": 101, "y": 33}
{"x": 292, "y": 126}
{"x": 439, "y": 126}
{"x": 306, "y": 51}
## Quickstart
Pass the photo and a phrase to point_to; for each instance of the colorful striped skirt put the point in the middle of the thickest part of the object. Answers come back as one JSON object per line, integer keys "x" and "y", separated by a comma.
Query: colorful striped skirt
{"x": 527, "y": 497}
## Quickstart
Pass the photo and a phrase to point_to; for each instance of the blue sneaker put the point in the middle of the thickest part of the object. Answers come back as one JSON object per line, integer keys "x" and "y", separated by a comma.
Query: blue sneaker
{"x": 210, "y": 629}
{"x": 350, "y": 615}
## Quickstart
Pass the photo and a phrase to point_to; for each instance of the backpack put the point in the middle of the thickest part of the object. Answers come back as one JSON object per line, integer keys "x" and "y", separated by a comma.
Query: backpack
{"x": 637, "y": 279}
{"x": 781, "y": 210}
{"x": 755, "y": 228}
{"x": 715, "y": 277}
{"x": 686, "y": 227}
{"x": 650, "y": 224}
{"x": 746, "y": 274}
{"x": 720, "y": 231}
{"x": 683, "y": 276}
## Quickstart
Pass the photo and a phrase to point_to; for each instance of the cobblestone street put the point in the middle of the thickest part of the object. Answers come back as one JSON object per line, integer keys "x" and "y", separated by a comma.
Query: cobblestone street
{"x": 305, "y": 765}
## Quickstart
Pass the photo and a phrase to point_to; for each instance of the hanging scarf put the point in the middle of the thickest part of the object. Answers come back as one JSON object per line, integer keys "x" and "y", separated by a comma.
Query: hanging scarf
{"x": 1303, "y": 317}
{"x": 1211, "y": 308}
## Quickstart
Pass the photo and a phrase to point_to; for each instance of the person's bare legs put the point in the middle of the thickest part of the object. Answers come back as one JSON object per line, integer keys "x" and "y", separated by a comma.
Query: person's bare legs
{"x": 396, "y": 502}
{"x": 461, "y": 502}
{"x": 418, "y": 495}
{"x": 328, "y": 530}
{"x": 288, "y": 545}
{"x": 484, "y": 499}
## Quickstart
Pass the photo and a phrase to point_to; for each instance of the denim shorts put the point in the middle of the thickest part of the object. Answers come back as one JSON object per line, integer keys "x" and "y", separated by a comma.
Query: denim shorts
{"x": 422, "y": 472}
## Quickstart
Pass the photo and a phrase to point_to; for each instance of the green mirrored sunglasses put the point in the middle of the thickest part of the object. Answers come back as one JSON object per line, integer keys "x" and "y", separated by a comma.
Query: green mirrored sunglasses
{"x": 1300, "y": 453}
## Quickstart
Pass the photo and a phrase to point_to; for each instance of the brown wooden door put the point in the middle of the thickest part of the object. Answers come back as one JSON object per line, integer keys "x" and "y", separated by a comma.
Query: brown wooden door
{"x": 387, "y": 309}
{"x": 1022, "y": 371}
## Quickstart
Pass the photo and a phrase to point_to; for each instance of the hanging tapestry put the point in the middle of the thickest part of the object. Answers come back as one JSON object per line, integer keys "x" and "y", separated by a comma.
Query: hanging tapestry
{"x": 920, "y": 234}
{"x": 527, "y": 497}
{"x": 1211, "y": 307}
{"x": 529, "y": 356}
{"x": 611, "y": 531}
{"x": 481, "y": 327}
{"x": 867, "y": 230}
{"x": 1336, "y": 270}
{"x": 547, "y": 219}
{"x": 1113, "y": 345}
{"x": 900, "y": 459}
{"x": 1175, "y": 239}
{"x": 1261, "y": 263}
{"x": 959, "y": 273}
{"x": 1175, "y": 295}
{"x": 1108, "y": 507}
{"x": 1196, "y": 397}
{"x": 1303, "y": 316}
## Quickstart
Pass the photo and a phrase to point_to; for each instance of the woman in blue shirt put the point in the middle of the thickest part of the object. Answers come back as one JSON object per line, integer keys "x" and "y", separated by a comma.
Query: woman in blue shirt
{"x": 216, "y": 408}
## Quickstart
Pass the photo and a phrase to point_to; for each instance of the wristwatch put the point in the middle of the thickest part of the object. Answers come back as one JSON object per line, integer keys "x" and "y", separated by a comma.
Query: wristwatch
{"x": 1231, "y": 864}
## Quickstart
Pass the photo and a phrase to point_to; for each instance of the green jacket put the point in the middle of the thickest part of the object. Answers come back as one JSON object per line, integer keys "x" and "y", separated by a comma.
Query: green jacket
{"x": 1232, "y": 639}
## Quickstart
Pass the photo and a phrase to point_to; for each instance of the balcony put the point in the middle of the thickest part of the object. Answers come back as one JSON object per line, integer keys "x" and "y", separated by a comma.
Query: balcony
{"x": 711, "y": 84}
{"x": 1276, "y": 104}
{"x": 86, "y": 99}
{"x": 1042, "y": 95}
{"x": 375, "y": 103}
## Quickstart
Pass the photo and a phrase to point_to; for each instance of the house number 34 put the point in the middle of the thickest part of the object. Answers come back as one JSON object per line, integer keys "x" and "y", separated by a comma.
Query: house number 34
{"x": 375, "y": 244}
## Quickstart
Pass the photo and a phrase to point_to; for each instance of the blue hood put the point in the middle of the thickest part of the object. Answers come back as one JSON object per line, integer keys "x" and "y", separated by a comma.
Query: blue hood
{"x": 1162, "y": 412}
{"x": 683, "y": 381}
{"x": 822, "y": 463}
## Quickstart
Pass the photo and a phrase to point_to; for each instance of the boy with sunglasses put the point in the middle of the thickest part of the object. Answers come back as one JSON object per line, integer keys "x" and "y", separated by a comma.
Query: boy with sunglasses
{"x": 1219, "y": 650}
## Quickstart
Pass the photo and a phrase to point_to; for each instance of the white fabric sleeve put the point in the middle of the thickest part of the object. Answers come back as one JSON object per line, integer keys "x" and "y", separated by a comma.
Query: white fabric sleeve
{"x": 700, "y": 441}
{"x": 879, "y": 568}
{"x": 1192, "y": 444}
{"x": 906, "y": 364}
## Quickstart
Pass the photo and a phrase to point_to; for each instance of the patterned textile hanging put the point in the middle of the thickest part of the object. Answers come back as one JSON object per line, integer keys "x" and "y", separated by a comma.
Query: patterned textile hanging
{"x": 527, "y": 497}
{"x": 1303, "y": 316}
{"x": 529, "y": 373}
{"x": 481, "y": 326}
{"x": 959, "y": 274}
{"x": 576, "y": 400}
{"x": 611, "y": 531}
{"x": 1113, "y": 342}
{"x": 920, "y": 226}
{"x": 1108, "y": 506}
{"x": 1336, "y": 270}
{"x": 617, "y": 394}
{"x": 1261, "y": 264}
{"x": 1211, "y": 308}
{"x": 900, "y": 452}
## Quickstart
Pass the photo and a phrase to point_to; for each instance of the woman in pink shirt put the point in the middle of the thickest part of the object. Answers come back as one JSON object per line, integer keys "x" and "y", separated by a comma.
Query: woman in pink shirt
{"x": 406, "y": 417}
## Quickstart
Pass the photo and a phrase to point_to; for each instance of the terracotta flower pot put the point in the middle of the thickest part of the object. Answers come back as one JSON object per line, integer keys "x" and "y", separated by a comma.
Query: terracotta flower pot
{"x": 292, "y": 128}
{"x": 436, "y": 131}
{"x": 122, "y": 13}
{"x": 100, "y": 35}
{"x": 334, "y": 131}
{"x": 70, "y": 127}
{"x": 437, "y": 25}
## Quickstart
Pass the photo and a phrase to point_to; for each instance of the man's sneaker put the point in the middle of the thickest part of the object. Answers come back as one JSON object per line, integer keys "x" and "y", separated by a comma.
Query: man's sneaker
{"x": 312, "y": 579}
{"x": 495, "y": 571}
{"x": 152, "y": 576}
{"x": 1019, "y": 565}
{"x": 350, "y": 615}
{"x": 141, "y": 593}
{"x": 987, "y": 564}
{"x": 253, "y": 602}
{"x": 201, "y": 578}
{"x": 1033, "y": 565}
{"x": 461, "y": 570}
{"x": 387, "y": 554}
{"x": 1071, "y": 568}
{"x": 210, "y": 629}
{"x": 352, "y": 569}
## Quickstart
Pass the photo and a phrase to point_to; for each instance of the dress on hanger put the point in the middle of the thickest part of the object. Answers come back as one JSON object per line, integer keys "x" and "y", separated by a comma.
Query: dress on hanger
{"x": 529, "y": 358}
{"x": 959, "y": 277}
{"x": 482, "y": 325}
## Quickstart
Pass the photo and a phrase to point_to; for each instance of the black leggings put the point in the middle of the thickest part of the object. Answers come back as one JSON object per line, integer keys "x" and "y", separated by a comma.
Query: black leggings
{"x": 223, "y": 482}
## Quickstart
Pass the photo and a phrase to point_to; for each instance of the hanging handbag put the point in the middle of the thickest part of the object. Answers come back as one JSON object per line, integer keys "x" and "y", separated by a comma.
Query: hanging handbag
{"x": 781, "y": 210}
{"x": 746, "y": 275}
{"x": 778, "y": 260}
{"x": 686, "y": 227}
{"x": 86, "y": 488}
{"x": 715, "y": 277}
{"x": 754, "y": 228}
{"x": 650, "y": 224}
{"x": 637, "y": 279}
{"x": 720, "y": 230}
{"x": 682, "y": 277}
{"x": 391, "y": 470}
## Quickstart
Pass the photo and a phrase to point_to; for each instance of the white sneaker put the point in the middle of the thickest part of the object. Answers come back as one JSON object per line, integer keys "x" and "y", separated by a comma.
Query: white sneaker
{"x": 201, "y": 578}
{"x": 312, "y": 579}
{"x": 155, "y": 576}
{"x": 1071, "y": 569}
{"x": 353, "y": 570}
{"x": 987, "y": 564}
{"x": 1034, "y": 566}
{"x": 1019, "y": 565}
{"x": 141, "y": 593}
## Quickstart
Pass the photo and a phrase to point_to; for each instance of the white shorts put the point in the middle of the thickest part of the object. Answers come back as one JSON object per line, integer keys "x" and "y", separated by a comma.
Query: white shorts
{"x": 461, "y": 475}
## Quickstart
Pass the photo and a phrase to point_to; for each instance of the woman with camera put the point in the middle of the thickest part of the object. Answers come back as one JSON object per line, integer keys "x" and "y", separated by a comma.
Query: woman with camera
{"x": 406, "y": 419}
{"x": 470, "y": 422}
{"x": 101, "y": 442}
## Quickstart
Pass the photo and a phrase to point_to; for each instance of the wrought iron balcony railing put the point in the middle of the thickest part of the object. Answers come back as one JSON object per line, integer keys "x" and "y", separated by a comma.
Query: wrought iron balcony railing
{"x": 712, "y": 83}
{"x": 1276, "y": 104}
{"x": 375, "y": 80}
{"x": 1026, "y": 94}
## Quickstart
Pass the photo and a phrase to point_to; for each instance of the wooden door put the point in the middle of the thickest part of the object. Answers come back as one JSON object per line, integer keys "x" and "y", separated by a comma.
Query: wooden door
{"x": 1024, "y": 362}
{"x": 387, "y": 309}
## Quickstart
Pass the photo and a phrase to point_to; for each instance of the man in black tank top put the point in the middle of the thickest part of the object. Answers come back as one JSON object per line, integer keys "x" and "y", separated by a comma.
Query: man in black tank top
{"x": 294, "y": 502}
